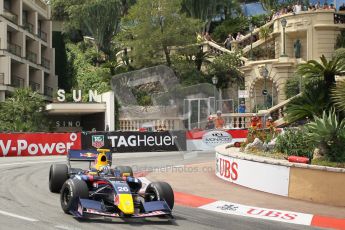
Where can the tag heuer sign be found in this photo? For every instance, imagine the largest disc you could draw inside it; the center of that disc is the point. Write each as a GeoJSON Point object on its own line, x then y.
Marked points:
{"type": "Point", "coordinates": [98, 141]}
{"type": "Point", "coordinates": [215, 138]}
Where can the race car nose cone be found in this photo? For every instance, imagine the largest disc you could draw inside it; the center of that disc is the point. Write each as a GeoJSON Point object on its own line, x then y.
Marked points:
{"type": "Point", "coordinates": [126, 203]}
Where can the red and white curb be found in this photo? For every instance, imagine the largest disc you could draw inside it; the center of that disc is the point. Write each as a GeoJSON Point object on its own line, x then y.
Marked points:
{"type": "Point", "coordinates": [230, 208]}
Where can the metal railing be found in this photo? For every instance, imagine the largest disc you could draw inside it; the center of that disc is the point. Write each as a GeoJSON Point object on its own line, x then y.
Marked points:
{"type": "Point", "coordinates": [29, 27]}
{"type": "Point", "coordinates": [17, 82]}
{"type": "Point", "coordinates": [43, 35]}
{"type": "Point", "coordinates": [35, 86]}
{"type": "Point", "coordinates": [48, 91]}
{"type": "Point", "coordinates": [10, 16]}
{"type": "Point", "coordinates": [31, 56]}
{"type": "Point", "coordinates": [45, 63]}
{"type": "Point", "coordinates": [15, 49]}
{"type": "Point", "coordinates": [156, 124]}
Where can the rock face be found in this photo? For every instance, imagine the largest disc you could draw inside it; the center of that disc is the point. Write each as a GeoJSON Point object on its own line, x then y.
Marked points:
{"type": "Point", "coordinates": [257, 144]}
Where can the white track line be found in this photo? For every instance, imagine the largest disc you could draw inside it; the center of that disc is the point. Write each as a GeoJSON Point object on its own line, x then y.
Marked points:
{"type": "Point", "coordinates": [30, 162]}
{"type": "Point", "coordinates": [17, 216]}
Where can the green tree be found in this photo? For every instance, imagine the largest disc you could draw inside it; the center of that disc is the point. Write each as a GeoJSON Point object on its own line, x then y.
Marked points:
{"type": "Point", "coordinates": [155, 27]}
{"type": "Point", "coordinates": [206, 10]}
{"type": "Point", "coordinates": [23, 112]}
{"type": "Point", "coordinates": [86, 75]}
{"type": "Point", "coordinates": [264, 33]}
{"type": "Point", "coordinates": [100, 19]}
{"type": "Point", "coordinates": [226, 68]}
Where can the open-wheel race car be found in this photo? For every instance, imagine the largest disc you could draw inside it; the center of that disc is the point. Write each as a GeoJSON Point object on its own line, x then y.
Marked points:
{"type": "Point", "coordinates": [105, 191]}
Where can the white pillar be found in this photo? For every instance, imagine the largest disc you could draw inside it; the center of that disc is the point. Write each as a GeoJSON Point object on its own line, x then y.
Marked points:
{"type": "Point", "coordinates": [109, 118]}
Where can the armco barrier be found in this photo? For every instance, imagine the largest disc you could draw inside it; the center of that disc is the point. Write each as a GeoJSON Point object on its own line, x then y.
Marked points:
{"type": "Point", "coordinates": [301, 181]}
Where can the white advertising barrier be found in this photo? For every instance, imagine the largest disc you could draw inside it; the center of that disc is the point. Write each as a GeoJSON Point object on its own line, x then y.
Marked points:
{"type": "Point", "coordinates": [263, 177]}
{"type": "Point", "coordinates": [260, 213]}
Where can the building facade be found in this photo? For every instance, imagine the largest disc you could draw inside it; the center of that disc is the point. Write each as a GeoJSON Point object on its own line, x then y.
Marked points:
{"type": "Point", "coordinates": [26, 55]}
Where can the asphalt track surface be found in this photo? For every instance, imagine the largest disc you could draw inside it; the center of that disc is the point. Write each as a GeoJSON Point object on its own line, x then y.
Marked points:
{"type": "Point", "coordinates": [26, 203]}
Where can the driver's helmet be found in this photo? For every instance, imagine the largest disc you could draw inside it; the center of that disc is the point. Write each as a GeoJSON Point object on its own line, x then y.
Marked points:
{"type": "Point", "coordinates": [101, 161]}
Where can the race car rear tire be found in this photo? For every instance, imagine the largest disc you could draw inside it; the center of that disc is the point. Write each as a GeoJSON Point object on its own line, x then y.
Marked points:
{"type": "Point", "coordinates": [71, 190]}
{"type": "Point", "coordinates": [160, 191]}
{"type": "Point", "coordinates": [58, 174]}
{"type": "Point", "coordinates": [125, 170]}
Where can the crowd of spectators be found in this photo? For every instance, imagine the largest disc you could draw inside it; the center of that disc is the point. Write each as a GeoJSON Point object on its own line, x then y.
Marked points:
{"type": "Point", "coordinates": [300, 7]}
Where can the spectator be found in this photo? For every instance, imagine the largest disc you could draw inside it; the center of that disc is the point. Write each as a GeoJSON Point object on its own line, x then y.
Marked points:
{"type": "Point", "coordinates": [228, 40]}
{"type": "Point", "coordinates": [210, 123]}
{"type": "Point", "coordinates": [318, 5]}
{"type": "Point", "coordinates": [255, 122]}
{"type": "Point", "coordinates": [208, 37]}
{"type": "Point", "coordinates": [239, 36]}
{"type": "Point", "coordinates": [325, 6]}
{"type": "Point", "coordinates": [219, 120]}
{"type": "Point", "coordinates": [297, 8]}
{"type": "Point", "coordinates": [269, 123]}
{"type": "Point", "coordinates": [289, 9]}
{"type": "Point", "coordinates": [242, 107]}
{"type": "Point", "coordinates": [331, 7]}
{"type": "Point", "coordinates": [342, 7]}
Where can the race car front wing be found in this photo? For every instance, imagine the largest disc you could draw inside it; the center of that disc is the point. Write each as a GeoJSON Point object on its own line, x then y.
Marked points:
{"type": "Point", "coordinates": [92, 207]}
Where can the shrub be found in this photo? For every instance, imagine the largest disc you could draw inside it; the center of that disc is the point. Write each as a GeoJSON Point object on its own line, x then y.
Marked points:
{"type": "Point", "coordinates": [294, 142]}
{"type": "Point", "coordinates": [329, 134]}
{"type": "Point", "coordinates": [265, 135]}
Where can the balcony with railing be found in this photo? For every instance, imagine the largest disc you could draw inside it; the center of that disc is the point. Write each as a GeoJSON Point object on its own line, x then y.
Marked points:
{"type": "Point", "coordinates": [45, 63]}
{"type": "Point", "coordinates": [10, 16]}
{"type": "Point", "coordinates": [29, 27]}
{"type": "Point", "coordinates": [15, 49]}
{"type": "Point", "coordinates": [48, 91]}
{"type": "Point", "coordinates": [31, 56]}
{"type": "Point", "coordinates": [17, 82]}
{"type": "Point", "coordinates": [35, 86]}
{"type": "Point", "coordinates": [43, 35]}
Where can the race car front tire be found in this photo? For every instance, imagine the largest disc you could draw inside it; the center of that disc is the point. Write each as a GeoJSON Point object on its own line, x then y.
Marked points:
{"type": "Point", "coordinates": [58, 174]}
{"type": "Point", "coordinates": [71, 191]}
{"type": "Point", "coordinates": [125, 170]}
{"type": "Point", "coordinates": [160, 191]}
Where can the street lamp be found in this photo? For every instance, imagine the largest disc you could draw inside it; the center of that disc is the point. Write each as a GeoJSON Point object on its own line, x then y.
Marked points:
{"type": "Point", "coordinates": [215, 82]}
{"type": "Point", "coordinates": [251, 29]}
{"type": "Point", "coordinates": [265, 92]}
{"type": "Point", "coordinates": [283, 22]}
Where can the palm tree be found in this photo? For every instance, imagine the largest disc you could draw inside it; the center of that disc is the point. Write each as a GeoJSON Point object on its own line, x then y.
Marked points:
{"type": "Point", "coordinates": [319, 79]}
{"type": "Point", "coordinates": [338, 95]}
{"type": "Point", "coordinates": [313, 101]}
{"type": "Point", "coordinates": [325, 70]}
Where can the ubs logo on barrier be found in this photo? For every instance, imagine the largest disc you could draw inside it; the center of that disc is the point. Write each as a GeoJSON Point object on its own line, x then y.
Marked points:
{"type": "Point", "coordinates": [215, 138]}
{"type": "Point", "coordinates": [97, 141]}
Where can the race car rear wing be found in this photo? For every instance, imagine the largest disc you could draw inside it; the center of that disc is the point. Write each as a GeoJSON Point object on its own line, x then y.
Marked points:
{"type": "Point", "coordinates": [87, 155]}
